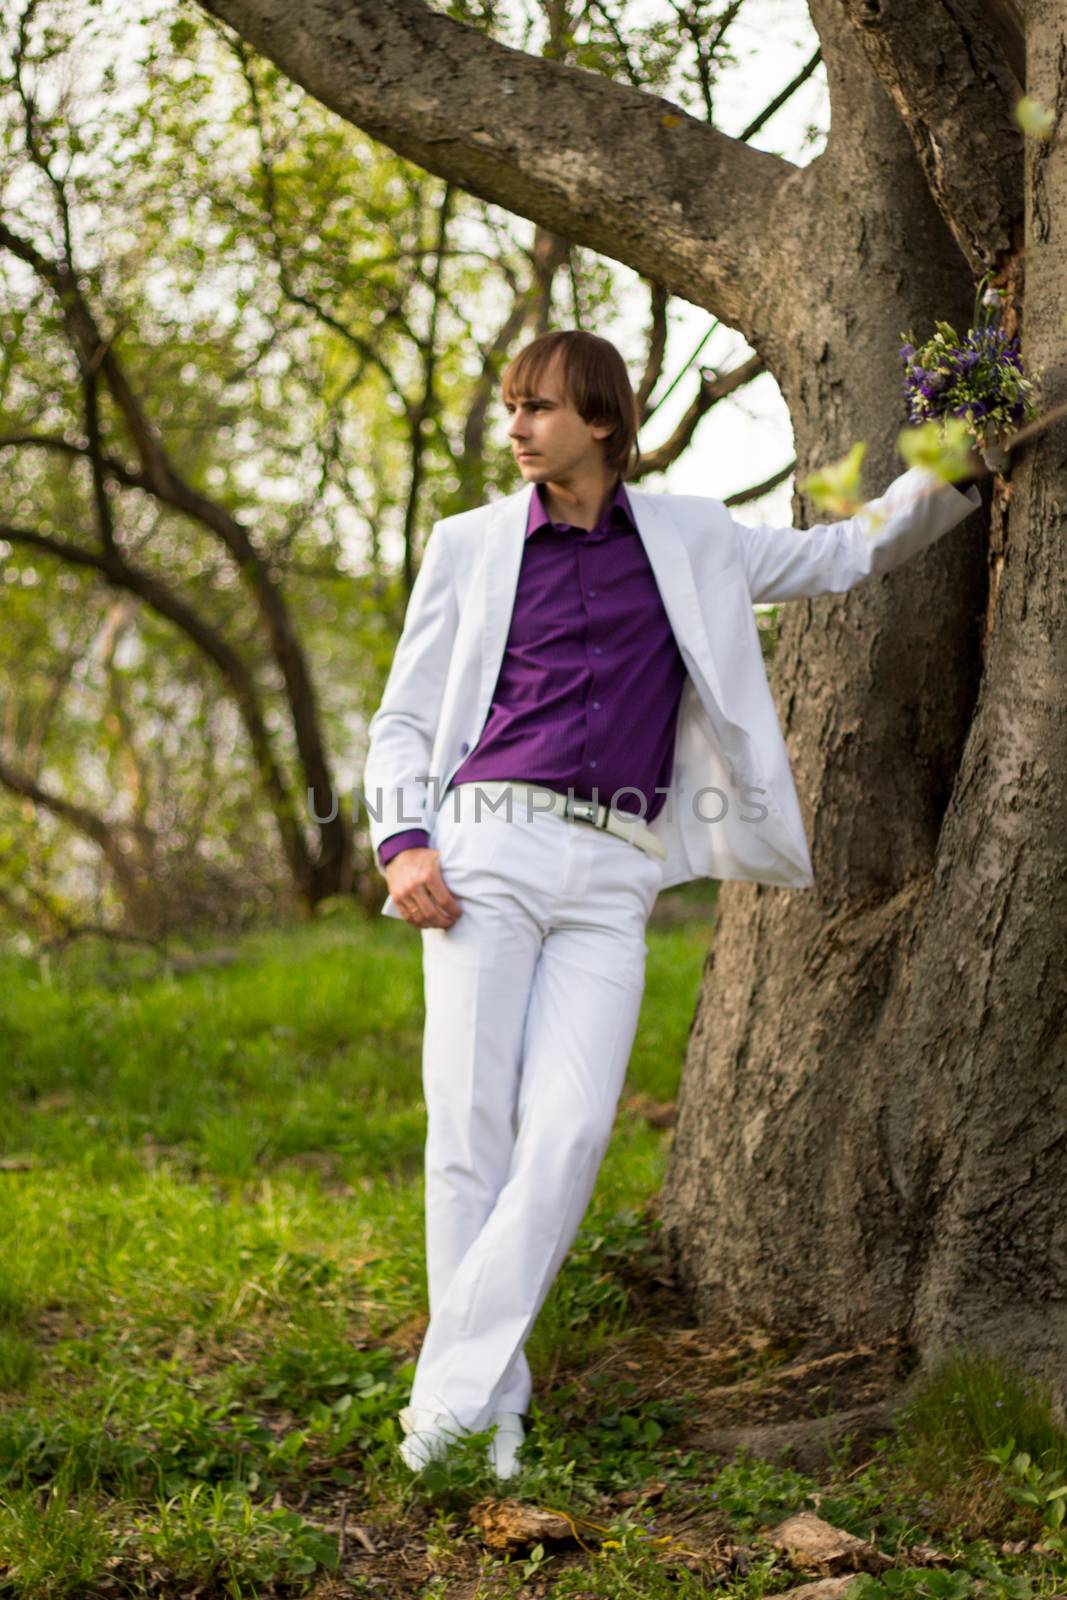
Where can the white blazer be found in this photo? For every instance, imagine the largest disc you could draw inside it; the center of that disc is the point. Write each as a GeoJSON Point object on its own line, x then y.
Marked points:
{"type": "Point", "coordinates": [731, 810]}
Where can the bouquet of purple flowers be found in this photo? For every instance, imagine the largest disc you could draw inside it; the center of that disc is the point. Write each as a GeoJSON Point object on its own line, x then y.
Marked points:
{"type": "Point", "coordinates": [978, 379]}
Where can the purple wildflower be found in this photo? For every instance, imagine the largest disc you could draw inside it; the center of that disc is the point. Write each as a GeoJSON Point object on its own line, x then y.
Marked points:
{"type": "Point", "coordinates": [979, 377]}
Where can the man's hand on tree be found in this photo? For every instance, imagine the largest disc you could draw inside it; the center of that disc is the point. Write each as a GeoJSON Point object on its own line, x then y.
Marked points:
{"type": "Point", "coordinates": [419, 891]}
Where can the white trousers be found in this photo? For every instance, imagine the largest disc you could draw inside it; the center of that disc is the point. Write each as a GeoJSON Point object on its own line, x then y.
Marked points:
{"type": "Point", "coordinates": [532, 999]}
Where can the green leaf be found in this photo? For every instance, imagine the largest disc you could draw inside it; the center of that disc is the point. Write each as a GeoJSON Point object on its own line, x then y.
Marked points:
{"type": "Point", "coordinates": [945, 448]}
{"type": "Point", "coordinates": [1035, 120]}
{"type": "Point", "coordinates": [836, 487]}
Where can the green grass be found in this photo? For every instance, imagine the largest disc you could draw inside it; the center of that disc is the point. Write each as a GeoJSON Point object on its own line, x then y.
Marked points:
{"type": "Point", "coordinates": [211, 1209]}
{"type": "Point", "coordinates": [211, 1285]}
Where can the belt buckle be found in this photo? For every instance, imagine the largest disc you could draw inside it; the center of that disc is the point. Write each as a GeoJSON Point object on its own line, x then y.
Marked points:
{"type": "Point", "coordinates": [582, 811]}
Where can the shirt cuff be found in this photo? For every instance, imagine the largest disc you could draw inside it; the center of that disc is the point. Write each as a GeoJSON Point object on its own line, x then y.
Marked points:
{"type": "Point", "coordinates": [412, 839]}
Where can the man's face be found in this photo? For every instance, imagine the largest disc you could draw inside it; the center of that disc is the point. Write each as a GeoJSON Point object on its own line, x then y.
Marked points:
{"type": "Point", "coordinates": [549, 440]}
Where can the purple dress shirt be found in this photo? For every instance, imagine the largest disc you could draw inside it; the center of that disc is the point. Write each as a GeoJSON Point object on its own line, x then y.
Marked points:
{"type": "Point", "coordinates": [588, 691]}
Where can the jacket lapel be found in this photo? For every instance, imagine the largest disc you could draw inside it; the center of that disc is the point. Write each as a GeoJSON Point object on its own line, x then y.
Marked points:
{"type": "Point", "coordinates": [504, 535]}
{"type": "Point", "coordinates": [673, 572]}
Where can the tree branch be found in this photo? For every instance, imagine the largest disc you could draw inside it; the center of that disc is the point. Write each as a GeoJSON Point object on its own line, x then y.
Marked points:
{"type": "Point", "coordinates": [657, 347]}
{"type": "Point", "coordinates": [162, 480]}
{"type": "Point", "coordinates": [756, 490]}
{"type": "Point", "coordinates": [624, 172]}
{"type": "Point", "coordinates": [364, 348]}
{"type": "Point", "coordinates": [120, 573]}
{"type": "Point", "coordinates": [54, 441]}
{"type": "Point", "coordinates": [529, 301]}
{"type": "Point", "coordinates": [959, 117]}
{"type": "Point", "coordinates": [711, 391]}
{"type": "Point", "coordinates": [786, 94]}
{"type": "Point", "coordinates": [426, 406]}
{"type": "Point", "coordinates": [104, 835]}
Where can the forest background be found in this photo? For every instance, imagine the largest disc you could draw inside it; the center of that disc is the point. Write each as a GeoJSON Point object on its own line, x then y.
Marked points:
{"type": "Point", "coordinates": [210, 529]}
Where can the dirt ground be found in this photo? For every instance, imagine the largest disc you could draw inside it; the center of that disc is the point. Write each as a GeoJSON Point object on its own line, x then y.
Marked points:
{"type": "Point", "coordinates": [789, 1404]}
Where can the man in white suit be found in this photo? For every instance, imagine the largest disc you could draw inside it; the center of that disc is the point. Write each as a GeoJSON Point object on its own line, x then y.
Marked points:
{"type": "Point", "coordinates": [577, 716]}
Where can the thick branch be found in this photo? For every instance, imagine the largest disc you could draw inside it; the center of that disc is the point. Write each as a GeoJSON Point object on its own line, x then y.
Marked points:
{"type": "Point", "coordinates": [959, 117]}
{"type": "Point", "coordinates": [622, 171]}
{"type": "Point", "coordinates": [105, 522]}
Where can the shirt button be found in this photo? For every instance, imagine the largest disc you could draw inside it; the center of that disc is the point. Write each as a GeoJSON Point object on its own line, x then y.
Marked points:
{"type": "Point", "coordinates": [592, 763]}
{"type": "Point", "coordinates": [597, 650]}
{"type": "Point", "coordinates": [464, 747]}
{"type": "Point", "coordinates": [592, 594]}
{"type": "Point", "coordinates": [596, 705]}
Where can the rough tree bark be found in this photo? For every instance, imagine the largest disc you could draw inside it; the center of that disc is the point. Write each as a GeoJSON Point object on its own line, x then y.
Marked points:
{"type": "Point", "coordinates": [866, 1140]}
{"type": "Point", "coordinates": [951, 82]}
{"type": "Point", "coordinates": [871, 1133]}
{"type": "Point", "coordinates": [975, 1079]}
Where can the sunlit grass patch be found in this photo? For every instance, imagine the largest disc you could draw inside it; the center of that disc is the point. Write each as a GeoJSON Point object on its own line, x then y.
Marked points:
{"type": "Point", "coordinates": [214, 1254]}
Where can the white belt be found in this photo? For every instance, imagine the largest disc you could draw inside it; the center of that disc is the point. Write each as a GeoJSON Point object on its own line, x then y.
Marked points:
{"type": "Point", "coordinates": [622, 825]}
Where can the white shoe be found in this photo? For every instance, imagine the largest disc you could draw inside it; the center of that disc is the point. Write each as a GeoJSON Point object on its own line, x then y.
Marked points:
{"type": "Point", "coordinates": [428, 1436]}
{"type": "Point", "coordinates": [504, 1445]}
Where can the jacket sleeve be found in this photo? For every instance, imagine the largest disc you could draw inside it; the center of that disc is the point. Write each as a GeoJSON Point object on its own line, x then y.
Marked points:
{"type": "Point", "coordinates": [797, 563]}
{"type": "Point", "coordinates": [401, 731]}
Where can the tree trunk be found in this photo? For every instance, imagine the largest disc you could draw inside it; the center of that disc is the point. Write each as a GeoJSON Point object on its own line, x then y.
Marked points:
{"type": "Point", "coordinates": [871, 1131]}
{"type": "Point", "coordinates": [979, 1145]}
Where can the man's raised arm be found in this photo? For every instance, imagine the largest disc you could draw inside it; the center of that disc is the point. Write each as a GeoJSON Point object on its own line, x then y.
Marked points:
{"type": "Point", "coordinates": [798, 563]}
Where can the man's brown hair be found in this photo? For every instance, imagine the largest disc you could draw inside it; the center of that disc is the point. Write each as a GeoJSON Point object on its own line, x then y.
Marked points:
{"type": "Point", "coordinates": [594, 378]}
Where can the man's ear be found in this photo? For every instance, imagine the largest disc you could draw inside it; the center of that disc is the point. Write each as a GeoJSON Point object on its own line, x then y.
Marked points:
{"type": "Point", "coordinates": [602, 430]}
